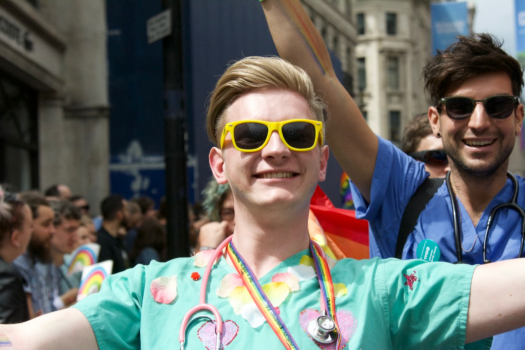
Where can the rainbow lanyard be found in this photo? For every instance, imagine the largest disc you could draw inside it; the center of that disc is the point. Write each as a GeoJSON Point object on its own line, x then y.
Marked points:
{"type": "Point", "coordinates": [265, 306]}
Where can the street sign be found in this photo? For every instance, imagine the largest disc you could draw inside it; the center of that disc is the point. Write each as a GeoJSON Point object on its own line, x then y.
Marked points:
{"type": "Point", "coordinates": [159, 26]}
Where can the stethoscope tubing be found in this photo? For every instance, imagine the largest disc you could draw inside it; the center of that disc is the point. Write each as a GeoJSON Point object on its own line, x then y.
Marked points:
{"type": "Point", "coordinates": [513, 204]}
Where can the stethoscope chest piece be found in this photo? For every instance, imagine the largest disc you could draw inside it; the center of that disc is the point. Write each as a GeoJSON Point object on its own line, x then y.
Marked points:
{"type": "Point", "coordinates": [323, 329]}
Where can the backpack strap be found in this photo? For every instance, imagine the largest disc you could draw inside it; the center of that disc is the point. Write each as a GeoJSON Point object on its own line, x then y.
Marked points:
{"type": "Point", "coordinates": [415, 206]}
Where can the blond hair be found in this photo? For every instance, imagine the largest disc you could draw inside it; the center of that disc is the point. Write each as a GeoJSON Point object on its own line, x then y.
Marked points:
{"type": "Point", "coordinates": [256, 73]}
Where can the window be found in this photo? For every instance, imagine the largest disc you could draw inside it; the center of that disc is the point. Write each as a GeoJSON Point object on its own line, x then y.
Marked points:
{"type": "Point", "coordinates": [392, 68]}
{"type": "Point", "coordinates": [361, 73]}
{"type": "Point", "coordinates": [360, 23]}
{"type": "Point", "coordinates": [391, 23]}
{"type": "Point", "coordinates": [395, 127]}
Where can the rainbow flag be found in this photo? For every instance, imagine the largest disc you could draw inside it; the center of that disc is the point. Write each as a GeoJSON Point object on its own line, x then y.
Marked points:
{"type": "Point", "coordinates": [346, 194]}
{"type": "Point", "coordinates": [338, 229]}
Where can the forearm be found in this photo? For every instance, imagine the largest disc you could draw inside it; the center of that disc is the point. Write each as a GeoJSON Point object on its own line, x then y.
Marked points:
{"type": "Point", "coordinates": [297, 41]}
{"type": "Point", "coordinates": [497, 299]}
{"type": "Point", "coordinates": [66, 329]}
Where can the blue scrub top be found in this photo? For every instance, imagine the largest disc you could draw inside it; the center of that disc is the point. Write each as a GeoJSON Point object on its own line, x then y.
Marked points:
{"type": "Point", "coordinates": [396, 178]}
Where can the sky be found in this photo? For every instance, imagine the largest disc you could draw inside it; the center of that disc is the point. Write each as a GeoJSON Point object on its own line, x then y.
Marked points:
{"type": "Point", "coordinates": [496, 17]}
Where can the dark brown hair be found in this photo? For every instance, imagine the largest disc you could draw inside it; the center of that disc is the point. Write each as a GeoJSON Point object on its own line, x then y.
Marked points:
{"type": "Point", "coordinates": [417, 129]}
{"type": "Point", "coordinates": [466, 59]}
{"type": "Point", "coordinates": [149, 234]}
{"type": "Point", "coordinates": [11, 217]}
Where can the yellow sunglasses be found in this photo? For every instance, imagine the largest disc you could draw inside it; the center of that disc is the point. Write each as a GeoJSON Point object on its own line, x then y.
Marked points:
{"type": "Point", "coordinates": [253, 135]}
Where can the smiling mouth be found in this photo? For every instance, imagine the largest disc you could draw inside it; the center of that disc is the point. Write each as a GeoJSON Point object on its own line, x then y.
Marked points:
{"type": "Point", "coordinates": [281, 175]}
{"type": "Point", "coordinates": [479, 143]}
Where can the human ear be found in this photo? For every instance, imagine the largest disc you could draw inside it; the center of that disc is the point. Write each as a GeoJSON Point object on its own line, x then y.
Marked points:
{"type": "Point", "coordinates": [15, 238]}
{"type": "Point", "coordinates": [433, 119]}
{"type": "Point", "coordinates": [218, 165]}
{"type": "Point", "coordinates": [325, 152]}
{"type": "Point", "coordinates": [519, 119]}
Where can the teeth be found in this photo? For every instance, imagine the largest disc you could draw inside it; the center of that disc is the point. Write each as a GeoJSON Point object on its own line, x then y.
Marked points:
{"type": "Point", "coordinates": [478, 143]}
{"type": "Point", "coordinates": [276, 175]}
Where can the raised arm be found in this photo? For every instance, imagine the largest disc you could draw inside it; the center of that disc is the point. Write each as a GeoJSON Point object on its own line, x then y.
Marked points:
{"type": "Point", "coordinates": [66, 329]}
{"type": "Point", "coordinates": [351, 140]}
{"type": "Point", "coordinates": [497, 299]}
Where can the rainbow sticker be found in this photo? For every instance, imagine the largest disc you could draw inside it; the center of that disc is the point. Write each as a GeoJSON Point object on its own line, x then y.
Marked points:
{"type": "Point", "coordinates": [5, 342]}
{"type": "Point", "coordinates": [85, 255]}
{"type": "Point", "coordinates": [92, 278]}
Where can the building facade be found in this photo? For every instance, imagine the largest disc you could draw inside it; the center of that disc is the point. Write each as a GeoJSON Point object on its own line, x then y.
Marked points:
{"type": "Point", "coordinates": [394, 44]}
{"type": "Point", "coordinates": [53, 95]}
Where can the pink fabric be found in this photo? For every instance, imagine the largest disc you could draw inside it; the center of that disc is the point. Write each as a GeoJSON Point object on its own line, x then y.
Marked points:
{"type": "Point", "coordinates": [347, 326]}
{"type": "Point", "coordinates": [207, 334]}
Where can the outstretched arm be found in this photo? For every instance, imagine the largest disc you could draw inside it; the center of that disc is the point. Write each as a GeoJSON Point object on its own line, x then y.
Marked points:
{"type": "Point", "coordinates": [351, 140]}
{"type": "Point", "coordinates": [497, 299]}
{"type": "Point", "coordinates": [65, 329]}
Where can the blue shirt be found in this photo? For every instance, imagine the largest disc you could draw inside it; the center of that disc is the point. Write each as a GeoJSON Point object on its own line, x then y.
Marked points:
{"type": "Point", "coordinates": [396, 178]}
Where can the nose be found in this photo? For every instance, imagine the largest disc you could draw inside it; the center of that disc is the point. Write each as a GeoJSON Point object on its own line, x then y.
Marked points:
{"type": "Point", "coordinates": [479, 119]}
{"type": "Point", "coordinates": [52, 230]}
{"type": "Point", "coordinates": [275, 148]}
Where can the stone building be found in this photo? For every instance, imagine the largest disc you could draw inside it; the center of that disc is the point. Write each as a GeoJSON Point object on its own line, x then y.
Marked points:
{"type": "Point", "coordinates": [394, 44]}
{"type": "Point", "coordinates": [53, 95]}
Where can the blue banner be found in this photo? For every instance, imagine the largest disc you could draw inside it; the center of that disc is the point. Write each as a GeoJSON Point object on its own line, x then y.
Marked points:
{"type": "Point", "coordinates": [449, 20]}
{"type": "Point", "coordinates": [519, 6]}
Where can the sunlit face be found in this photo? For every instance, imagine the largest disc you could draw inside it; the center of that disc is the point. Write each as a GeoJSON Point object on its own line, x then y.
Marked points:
{"type": "Point", "coordinates": [479, 145]}
{"type": "Point", "coordinates": [274, 175]}
{"type": "Point", "coordinates": [432, 143]}
{"type": "Point", "coordinates": [83, 236]}
{"type": "Point", "coordinates": [65, 238]}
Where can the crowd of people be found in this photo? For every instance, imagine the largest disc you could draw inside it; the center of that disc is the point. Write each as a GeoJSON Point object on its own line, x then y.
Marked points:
{"type": "Point", "coordinates": [40, 231]}
{"type": "Point", "coordinates": [264, 284]}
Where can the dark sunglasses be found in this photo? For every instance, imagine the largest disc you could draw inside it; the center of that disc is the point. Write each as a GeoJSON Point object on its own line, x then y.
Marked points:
{"type": "Point", "coordinates": [497, 107]}
{"type": "Point", "coordinates": [435, 157]}
{"type": "Point", "coordinates": [253, 135]}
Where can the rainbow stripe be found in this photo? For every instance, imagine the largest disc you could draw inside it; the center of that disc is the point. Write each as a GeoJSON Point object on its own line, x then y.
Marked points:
{"type": "Point", "coordinates": [325, 281]}
{"type": "Point", "coordinates": [93, 281]}
{"type": "Point", "coordinates": [260, 298]}
{"type": "Point", "coordinates": [316, 47]}
{"type": "Point", "coordinates": [346, 193]}
{"type": "Point", "coordinates": [5, 342]}
{"type": "Point", "coordinates": [85, 256]}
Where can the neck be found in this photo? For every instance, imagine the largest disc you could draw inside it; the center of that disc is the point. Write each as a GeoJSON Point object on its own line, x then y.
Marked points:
{"type": "Point", "coordinates": [266, 240]}
{"type": "Point", "coordinates": [476, 192]}
{"type": "Point", "coordinates": [7, 253]}
{"type": "Point", "coordinates": [112, 227]}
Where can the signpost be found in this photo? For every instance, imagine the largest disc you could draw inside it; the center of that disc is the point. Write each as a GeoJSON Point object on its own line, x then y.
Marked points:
{"type": "Point", "coordinates": [159, 26]}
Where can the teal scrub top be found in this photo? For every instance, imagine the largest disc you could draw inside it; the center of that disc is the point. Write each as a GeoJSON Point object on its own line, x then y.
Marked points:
{"type": "Point", "coordinates": [381, 304]}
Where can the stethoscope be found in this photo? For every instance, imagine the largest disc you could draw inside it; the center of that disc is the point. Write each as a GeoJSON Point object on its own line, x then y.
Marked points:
{"type": "Point", "coordinates": [323, 329]}
{"type": "Point", "coordinates": [513, 204]}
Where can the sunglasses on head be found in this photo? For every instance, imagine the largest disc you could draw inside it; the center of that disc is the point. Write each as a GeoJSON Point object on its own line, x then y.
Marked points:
{"type": "Point", "coordinates": [435, 157]}
{"type": "Point", "coordinates": [497, 107]}
{"type": "Point", "coordinates": [253, 135]}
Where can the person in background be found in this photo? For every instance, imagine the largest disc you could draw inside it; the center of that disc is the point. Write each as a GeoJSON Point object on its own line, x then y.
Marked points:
{"type": "Point", "coordinates": [64, 241]}
{"type": "Point", "coordinates": [16, 226]}
{"type": "Point", "coordinates": [81, 203]}
{"type": "Point", "coordinates": [62, 192]}
{"type": "Point", "coordinates": [150, 243]}
{"type": "Point", "coordinates": [419, 142]}
{"type": "Point", "coordinates": [218, 203]}
{"type": "Point", "coordinates": [36, 264]}
{"type": "Point", "coordinates": [147, 206]}
{"type": "Point", "coordinates": [134, 221]}
{"type": "Point", "coordinates": [114, 209]}
{"type": "Point", "coordinates": [87, 222]}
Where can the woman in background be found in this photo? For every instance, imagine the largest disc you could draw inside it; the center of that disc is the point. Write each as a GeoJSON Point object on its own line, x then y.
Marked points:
{"type": "Point", "coordinates": [16, 227]}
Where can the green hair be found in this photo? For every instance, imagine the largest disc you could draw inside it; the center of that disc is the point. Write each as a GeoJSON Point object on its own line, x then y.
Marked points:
{"type": "Point", "coordinates": [214, 195]}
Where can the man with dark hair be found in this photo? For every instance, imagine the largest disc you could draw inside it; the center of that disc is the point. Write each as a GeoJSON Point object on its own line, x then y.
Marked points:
{"type": "Point", "coordinates": [419, 142]}
{"type": "Point", "coordinates": [475, 88]}
{"type": "Point", "coordinates": [114, 211]}
{"type": "Point", "coordinates": [66, 222]}
{"type": "Point", "coordinates": [35, 265]}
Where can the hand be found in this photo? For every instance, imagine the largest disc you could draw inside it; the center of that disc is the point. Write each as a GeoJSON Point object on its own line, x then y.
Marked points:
{"type": "Point", "coordinates": [70, 297]}
{"type": "Point", "coordinates": [213, 233]}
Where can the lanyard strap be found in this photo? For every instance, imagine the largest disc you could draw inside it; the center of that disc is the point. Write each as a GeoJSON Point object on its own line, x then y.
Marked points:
{"type": "Point", "coordinates": [265, 306]}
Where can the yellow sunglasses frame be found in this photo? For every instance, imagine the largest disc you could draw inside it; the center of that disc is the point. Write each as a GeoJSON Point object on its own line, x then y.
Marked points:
{"type": "Point", "coordinates": [273, 126]}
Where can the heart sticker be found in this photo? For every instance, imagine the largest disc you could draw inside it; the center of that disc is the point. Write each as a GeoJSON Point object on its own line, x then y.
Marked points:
{"type": "Point", "coordinates": [207, 334]}
{"type": "Point", "coordinates": [347, 326]}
